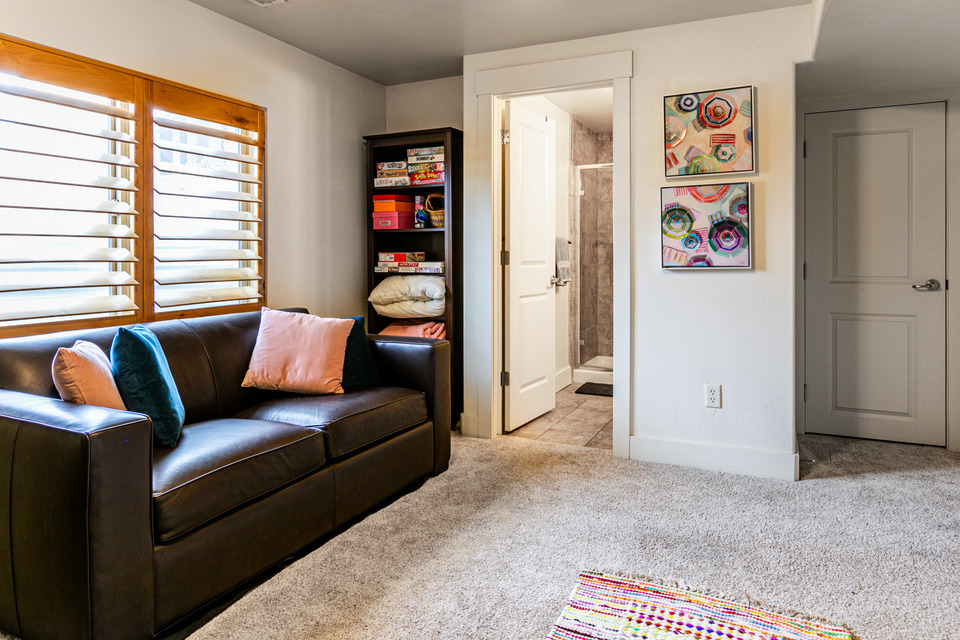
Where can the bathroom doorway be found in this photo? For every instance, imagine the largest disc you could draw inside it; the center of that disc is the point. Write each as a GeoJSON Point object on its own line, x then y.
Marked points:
{"type": "Point", "coordinates": [582, 333]}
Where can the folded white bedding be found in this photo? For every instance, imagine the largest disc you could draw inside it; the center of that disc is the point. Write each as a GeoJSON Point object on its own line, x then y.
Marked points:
{"type": "Point", "coordinates": [412, 287]}
{"type": "Point", "coordinates": [411, 309]}
{"type": "Point", "coordinates": [412, 296]}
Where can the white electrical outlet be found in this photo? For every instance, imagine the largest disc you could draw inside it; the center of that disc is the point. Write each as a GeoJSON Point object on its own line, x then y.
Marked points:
{"type": "Point", "coordinates": [711, 396]}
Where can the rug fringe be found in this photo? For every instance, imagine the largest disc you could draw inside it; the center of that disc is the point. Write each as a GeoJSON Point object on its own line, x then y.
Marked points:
{"type": "Point", "coordinates": [739, 598]}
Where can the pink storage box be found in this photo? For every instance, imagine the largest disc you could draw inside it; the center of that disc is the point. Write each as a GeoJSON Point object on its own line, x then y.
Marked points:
{"type": "Point", "coordinates": [392, 220]}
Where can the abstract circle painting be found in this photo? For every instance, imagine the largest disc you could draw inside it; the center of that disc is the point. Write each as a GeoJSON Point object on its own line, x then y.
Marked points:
{"type": "Point", "coordinates": [709, 132]}
{"type": "Point", "coordinates": [706, 226]}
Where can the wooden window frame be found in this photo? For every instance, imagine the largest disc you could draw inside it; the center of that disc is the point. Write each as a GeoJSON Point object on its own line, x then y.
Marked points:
{"type": "Point", "coordinates": [52, 66]}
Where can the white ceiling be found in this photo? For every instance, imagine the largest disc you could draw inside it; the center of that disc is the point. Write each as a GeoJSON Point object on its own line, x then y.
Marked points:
{"type": "Point", "coordinates": [592, 107]}
{"type": "Point", "coordinates": [865, 46]}
{"type": "Point", "coordinates": [878, 46]}
{"type": "Point", "coordinates": [393, 42]}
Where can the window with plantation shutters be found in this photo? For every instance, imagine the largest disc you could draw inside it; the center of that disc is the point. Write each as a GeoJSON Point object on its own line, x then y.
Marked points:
{"type": "Point", "coordinates": [207, 197]}
{"type": "Point", "coordinates": [68, 201]}
{"type": "Point", "coordinates": [123, 198]}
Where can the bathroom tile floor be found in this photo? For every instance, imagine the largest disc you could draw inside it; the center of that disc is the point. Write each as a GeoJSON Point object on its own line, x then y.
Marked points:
{"type": "Point", "coordinates": [578, 420]}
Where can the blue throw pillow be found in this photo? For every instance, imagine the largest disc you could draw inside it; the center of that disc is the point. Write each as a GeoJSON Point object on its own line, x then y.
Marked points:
{"type": "Point", "coordinates": [359, 370]}
{"type": "Point", "coordinates": [146, 385]}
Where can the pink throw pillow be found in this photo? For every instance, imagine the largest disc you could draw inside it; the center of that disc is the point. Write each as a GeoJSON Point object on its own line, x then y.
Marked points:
{"type": "Point", "coordinates": [82, 375]}
{"type": "Point", "coordinates": [299, 353]}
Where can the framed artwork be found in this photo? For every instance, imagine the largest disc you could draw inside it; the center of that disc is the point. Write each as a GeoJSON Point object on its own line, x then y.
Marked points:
{"type": "Point", "coordinates": [708, 132]}
{"type": "Point", "coordinates": [706, 226]}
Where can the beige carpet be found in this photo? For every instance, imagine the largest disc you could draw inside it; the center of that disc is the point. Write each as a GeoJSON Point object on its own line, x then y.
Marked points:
{"type": "Point", "coordinates": [491, 549]}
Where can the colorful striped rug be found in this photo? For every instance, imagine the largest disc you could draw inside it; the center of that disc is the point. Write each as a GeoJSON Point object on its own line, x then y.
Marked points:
{"type": "Point", "coordinates": [607, 607]}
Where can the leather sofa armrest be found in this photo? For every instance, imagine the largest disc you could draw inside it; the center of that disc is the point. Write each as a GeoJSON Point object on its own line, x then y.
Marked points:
{"type": "Point", "coordinates": [422, 364]}
{"type": "Point", "coordinates": [76, 544]}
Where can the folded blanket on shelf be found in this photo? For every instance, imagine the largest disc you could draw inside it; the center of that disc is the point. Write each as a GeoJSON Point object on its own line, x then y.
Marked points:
{"type": "Point", "coordinates": [435, 330]}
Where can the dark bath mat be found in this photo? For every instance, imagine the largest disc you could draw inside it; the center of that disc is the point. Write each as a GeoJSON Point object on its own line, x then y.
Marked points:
{"type": "Point", "coordinates": [596, 389]}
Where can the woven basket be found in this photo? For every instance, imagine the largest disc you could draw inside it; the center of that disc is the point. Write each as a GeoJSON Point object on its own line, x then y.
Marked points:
{"type": "Point", "coordinates": [435, 213]}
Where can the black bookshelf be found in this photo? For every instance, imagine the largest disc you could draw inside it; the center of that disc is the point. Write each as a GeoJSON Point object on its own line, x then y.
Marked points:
{"type": "Point", "coordinates": [440, 245]}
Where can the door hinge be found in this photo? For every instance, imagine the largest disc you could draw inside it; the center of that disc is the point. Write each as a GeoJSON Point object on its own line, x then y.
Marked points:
{"type": "Point", "coordinates": [804, 148]}
{"type": "Point", "coordinates": [804, 270]}
{"type": "Point", "coordinates": [504, 136]}
{"type": "Point", "coordinates": [504, 378]}
{"type": "Point", "coordinates": [804, 393]}
{"type": "Point", "coordinates": [504, 258]}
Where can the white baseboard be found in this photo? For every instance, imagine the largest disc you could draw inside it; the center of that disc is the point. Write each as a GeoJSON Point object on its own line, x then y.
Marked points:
{"type": "Point", "coordinates": [564, 378]}
{"type": "Point", "coordinates": [750, 462]}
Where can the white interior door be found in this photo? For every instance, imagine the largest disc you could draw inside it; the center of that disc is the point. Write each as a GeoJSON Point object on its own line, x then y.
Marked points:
{"type": "Point", "coordinates": [875, 218]}
{"type": "Point", "coordinates": [530, 230]}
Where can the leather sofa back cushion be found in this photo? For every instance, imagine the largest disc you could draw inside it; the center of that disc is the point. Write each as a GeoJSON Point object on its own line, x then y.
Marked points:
{"type": "Point", "coordinates": [208, 357]}
{"type": "Point", "coordinates": [25, 362]}
{"type": "Point", "coordinates": [82, 375]}
{"type": "Point", "coordinates": [226, 343]}
{"type": "Point", "coordinates": [146, 384]}
{"type": "Point", "coordinates": [298, 353]}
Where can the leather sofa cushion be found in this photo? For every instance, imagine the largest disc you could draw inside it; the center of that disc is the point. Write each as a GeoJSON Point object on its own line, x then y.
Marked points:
{"type": "Point", "coordinates": [228, 342]}
{"type": "Point", "coordinates": [351, 420]}
{"type": "Point", "coordinates": [190, 366]}
{"type": "Point", "coordinates": [25, 362]}
{"type": "Point", "coordinates": [222, 464]}
{"type": "Point", "coordinates": [208, 357]}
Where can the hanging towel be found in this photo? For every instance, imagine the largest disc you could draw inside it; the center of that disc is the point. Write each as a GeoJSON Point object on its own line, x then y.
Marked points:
{"type": "Point", "coordinates": [564, 274]}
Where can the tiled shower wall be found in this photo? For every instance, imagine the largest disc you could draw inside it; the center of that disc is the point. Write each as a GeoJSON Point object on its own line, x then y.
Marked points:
{"type": "Point", "coordinates": [591, 253]}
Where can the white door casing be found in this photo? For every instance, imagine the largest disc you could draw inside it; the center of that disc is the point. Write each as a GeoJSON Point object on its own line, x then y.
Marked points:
{"type": "Point", "coordinates": [875, 218]}
{"type": "Point", "coordinates": [484, 91]}
{"type": "Point", "coordinates": [530, 236]}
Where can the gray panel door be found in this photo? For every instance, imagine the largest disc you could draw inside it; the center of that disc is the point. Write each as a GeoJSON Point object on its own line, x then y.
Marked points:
{"type": "Point", "coordinates": [875, 219]}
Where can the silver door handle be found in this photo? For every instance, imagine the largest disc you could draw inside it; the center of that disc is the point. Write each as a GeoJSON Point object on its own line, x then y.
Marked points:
{"type": "Point", "coordinates": [929, 285]}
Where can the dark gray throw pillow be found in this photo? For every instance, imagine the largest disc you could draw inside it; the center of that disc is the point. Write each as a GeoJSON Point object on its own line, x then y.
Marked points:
{"type": "Point", "coordinates": [359, 369]}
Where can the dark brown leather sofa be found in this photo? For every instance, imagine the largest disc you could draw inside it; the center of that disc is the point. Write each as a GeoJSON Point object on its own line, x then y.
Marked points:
{"type": "Point", "coordinates": [104, 536]}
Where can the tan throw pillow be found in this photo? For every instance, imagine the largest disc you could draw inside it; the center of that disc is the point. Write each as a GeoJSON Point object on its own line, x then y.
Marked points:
{"type": "Point", "coordinates": [82, 375]}
{"type": "Point", "coordinates": [299, 353]}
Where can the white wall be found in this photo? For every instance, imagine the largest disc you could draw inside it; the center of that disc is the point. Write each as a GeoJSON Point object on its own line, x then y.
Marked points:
{"type": "Point", "coordinates": [316, 115]}
{"type": "Point", "coordinates": [425, 105]}
{"type": "Point", "coordinates": [690, 328]}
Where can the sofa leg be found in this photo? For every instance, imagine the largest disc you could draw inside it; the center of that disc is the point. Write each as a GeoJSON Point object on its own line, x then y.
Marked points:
{"type": "Point", "coordinates": [440, 469]}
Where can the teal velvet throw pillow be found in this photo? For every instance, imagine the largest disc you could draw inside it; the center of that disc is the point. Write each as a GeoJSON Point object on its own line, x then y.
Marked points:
{"type": "Point", "coordinates": [146, 385]}
{"type": "Point", "coordinates": [359, 370]}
